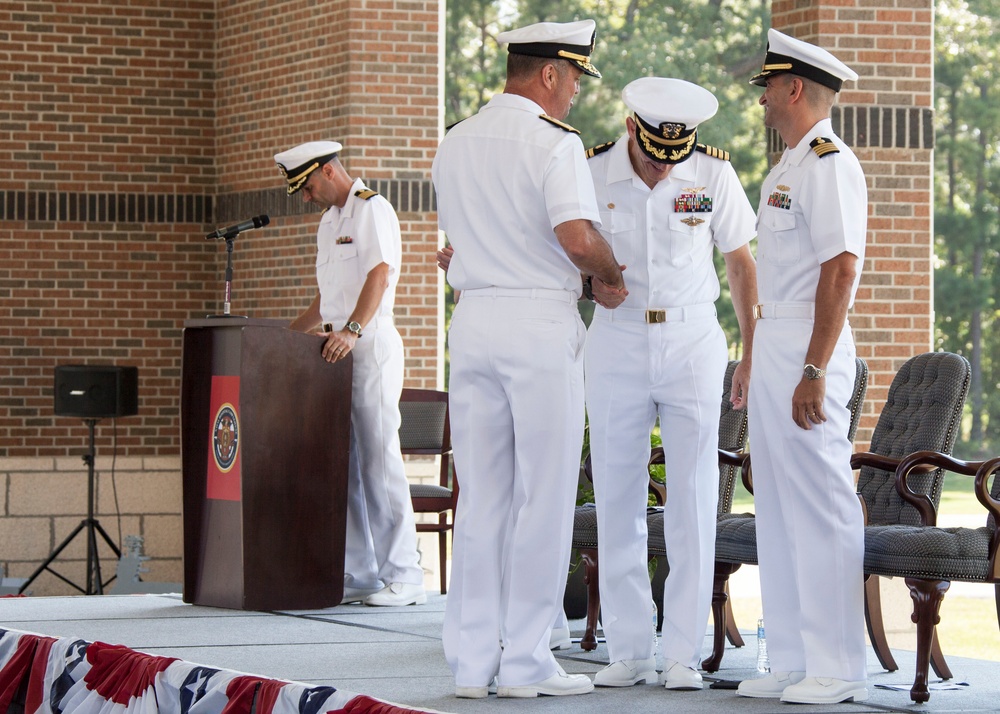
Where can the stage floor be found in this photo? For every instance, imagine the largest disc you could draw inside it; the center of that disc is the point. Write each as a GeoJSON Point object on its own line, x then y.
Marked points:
{"type": "Point", "coordinates": [395, 654]}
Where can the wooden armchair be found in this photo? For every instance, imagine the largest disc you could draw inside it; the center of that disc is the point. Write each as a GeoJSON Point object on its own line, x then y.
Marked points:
{"type": "Point", "coordinates": [426, 430]}
{"type": "Point", "coordinates": [931, 558]}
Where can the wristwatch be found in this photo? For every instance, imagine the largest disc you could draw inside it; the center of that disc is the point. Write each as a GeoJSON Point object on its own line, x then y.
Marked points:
{"type": "Point", "coordinates": [811, 371]}
{"type": "Point", "coordinates": [354, 327]}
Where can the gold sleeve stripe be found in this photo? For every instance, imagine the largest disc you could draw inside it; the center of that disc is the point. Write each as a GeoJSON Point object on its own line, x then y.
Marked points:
{"type": "Point", "coordinates": [599, 149]}
{"type": "Point", "coordinates": [713, 152]}
{"type": "Point", "coordinates": [561, 125]}
{"type": "Point", "coordinates": [822, 146]}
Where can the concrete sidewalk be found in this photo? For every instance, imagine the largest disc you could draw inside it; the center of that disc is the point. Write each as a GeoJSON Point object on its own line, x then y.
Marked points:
{"type": "Point", "coordinates": [395, 654]}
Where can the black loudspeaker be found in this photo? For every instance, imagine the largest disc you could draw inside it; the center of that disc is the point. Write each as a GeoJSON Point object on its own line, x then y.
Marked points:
{"type": "Point", "coordinates": [96, 391]}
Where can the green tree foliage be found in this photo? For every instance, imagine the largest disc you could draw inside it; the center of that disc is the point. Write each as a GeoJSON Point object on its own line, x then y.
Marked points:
{"type": "Point", "coordinates": [967, 202]}
{"type": "Point", "coordinates": [716, 43]}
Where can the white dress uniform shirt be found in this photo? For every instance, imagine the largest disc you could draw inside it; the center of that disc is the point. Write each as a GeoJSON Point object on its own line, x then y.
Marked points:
{"type": "Point", "coordinates": [505, 178]}
{"type": "Point", "coordinates": [350, 241]}
{"type": "Point", "coordinates": [541, 171]}
{"type": "Point", "coordinates": [667, 248]}
{"type": "Point", "coordinates": [666, 236]}
{"type": "Point", "coordinates": [381, 540]}
{"type": "Point", "coordinates": [810, 534]}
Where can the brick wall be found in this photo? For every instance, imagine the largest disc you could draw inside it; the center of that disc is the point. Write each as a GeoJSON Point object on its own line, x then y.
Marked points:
{"type": "Point", "coordinates": [887, 118]}
{"type": "Point", "coordinates": [130, 128]}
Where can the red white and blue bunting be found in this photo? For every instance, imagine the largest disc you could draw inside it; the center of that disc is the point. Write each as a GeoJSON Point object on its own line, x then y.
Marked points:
{"type": "Point", "coordinates": [47, 675]}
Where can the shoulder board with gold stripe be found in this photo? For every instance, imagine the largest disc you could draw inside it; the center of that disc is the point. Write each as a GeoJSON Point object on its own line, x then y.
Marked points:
{"type": "Point", "coordinates": [449, 127]}
{"type": "Point", "coordinates": [561, 125]}
{"type": "Point", "coordinates": [713, 152]}
{"type": "Point", "coordinates": [365, 193]}
{"type": "Point", "coordinates": [599, 149]}
{"type": "Point", "coordinates": [822, 146]}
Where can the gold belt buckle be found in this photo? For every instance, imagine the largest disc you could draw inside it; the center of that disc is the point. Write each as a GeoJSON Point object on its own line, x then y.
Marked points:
{"type": "Point", "coordinates": [758, 311]}
{"type": "Point", "coordinates": [656, 316]}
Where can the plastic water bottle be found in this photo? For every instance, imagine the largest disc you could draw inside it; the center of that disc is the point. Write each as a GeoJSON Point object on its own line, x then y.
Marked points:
{"type": "Point", "coordinates": [763, 665]}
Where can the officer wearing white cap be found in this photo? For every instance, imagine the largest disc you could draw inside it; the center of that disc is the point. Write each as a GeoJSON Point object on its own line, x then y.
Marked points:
{"type": "Point", "coordinates": [811, 228]}
{"type": "Point", "coordinates": [358, 257]}
{"type": "Point", "coordinates": [667, 202]}
{"type": "Point", "coordinates": [517, 202]}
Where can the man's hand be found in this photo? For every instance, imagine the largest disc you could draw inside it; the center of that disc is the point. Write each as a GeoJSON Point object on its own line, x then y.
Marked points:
{"type": "Point", "coordinates": [740, 391]}
{"type": "Point", "coordinates": [607, 296]}
{"type": "Point", "coordinates": [338, 344]}
{"type": "Point", "coordinates": [444, 257]}
{"type": "Point", "coordinates": [807, 402]}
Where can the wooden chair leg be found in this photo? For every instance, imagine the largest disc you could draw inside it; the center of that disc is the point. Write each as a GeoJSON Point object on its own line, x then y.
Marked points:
{"type": "Point", "coordinates": [443, 560]}
{"type": "Point", "coordinates": [589, 557]}
{"type": "Point", "coordinates": [938, 664]}
{"type": "Point", "coordinates": [873, 620]}
{"type": "Point", "coordinates": [720, 598]}
{"type": "Point", "coordinates": [927, 596]}
{"type": "Point", "coordinates": [732, 630]}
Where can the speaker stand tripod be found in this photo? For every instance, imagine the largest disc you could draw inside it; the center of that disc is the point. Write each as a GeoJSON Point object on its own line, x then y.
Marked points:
{"type": "Point", "coordinates": [95, 583]}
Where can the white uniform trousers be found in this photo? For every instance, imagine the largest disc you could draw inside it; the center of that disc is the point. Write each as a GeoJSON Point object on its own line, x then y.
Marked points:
{"type": "Point", "coordinates": [635, 372]}
{"type": "Point", "coordinates": [381, 538]}
{"type": "Point", "coordinates": [810, 529]}
{"type": "Point", "coordinates": [360, 564]}
{"type": "Point", "coordinates": [516, 396]}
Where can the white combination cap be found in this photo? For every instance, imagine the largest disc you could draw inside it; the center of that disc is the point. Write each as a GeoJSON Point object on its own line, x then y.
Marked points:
{"type": "Point", "coordinates": [297, 163]}
{"type": "Point", "coordinates": [573, 41]}
{"type": "Point", "coordinates": [787, 54]}
{"type": "Point", "coordinates": [667, 113]}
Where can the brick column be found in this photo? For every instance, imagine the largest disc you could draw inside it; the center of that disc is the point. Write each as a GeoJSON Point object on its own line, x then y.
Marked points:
{"type": "Point", "coordinates": [887, 118]}
{"type": "Point", "coordinates": [128, 129]}
{"type": "Point", "coordinates": [364, 74]}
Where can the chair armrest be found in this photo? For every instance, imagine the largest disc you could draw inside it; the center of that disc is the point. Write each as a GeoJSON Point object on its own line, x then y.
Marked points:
{"type": "Point", "coordinates": [919, 462]}
{"type": "Point", "coordinates": [740, 459]}
{"type": "Point", "coordinates": [922, 462]}
{"type": "Point", "coordinates": [983, 474]}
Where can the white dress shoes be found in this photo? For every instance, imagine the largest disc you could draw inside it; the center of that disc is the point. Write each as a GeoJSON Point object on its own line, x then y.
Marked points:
{"type": "Point", "coordinates": [677, 676]}
{"type": "Point", "coordinates": [824, 690]}
{"type": "Point", "coordinates": [352, 595]}
{"type": "Point", "coordinates": [559, 684]}
{"type": "Point", "coordinates": [398, 594]}
{"type": "Point", "coordinates": [771, 686]}
{"type": "Point", "coordinates": [476, 692]}
{"type": "Point", "coordinates": [626, 672]}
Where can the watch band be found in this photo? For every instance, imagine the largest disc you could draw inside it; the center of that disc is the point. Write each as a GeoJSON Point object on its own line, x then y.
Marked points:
{"type": "Point", "coordinates": [811, 371]}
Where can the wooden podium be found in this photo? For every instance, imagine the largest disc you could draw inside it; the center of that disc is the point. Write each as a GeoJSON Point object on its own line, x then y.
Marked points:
{"type": "Point", "coordinates": [265, 439]}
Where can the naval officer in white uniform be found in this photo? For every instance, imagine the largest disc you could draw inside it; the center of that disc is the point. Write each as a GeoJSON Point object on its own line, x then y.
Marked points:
{"type": "Point", "coordinates": [667, 202]}
{"type": "Point", "coordinates": [516, 200]}
{"type": "Point", "coordinates": [359, 250]}
{"type": "Point", "coordinates": [811, 229]}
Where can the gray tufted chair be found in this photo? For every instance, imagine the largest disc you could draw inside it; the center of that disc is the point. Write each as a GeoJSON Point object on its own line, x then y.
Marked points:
{"type": "Point", "coordinates": [736, 534]}
{"type": "Point", "coordinates": [923, 411]}
{"type": "Point", "coordinates": [930, 558]}
{"type": "Point", "coordinates": [732, 438]}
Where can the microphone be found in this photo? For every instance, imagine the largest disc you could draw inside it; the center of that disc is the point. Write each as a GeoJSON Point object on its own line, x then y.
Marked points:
{"type": "Point", "coordinates": [233, 231]}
